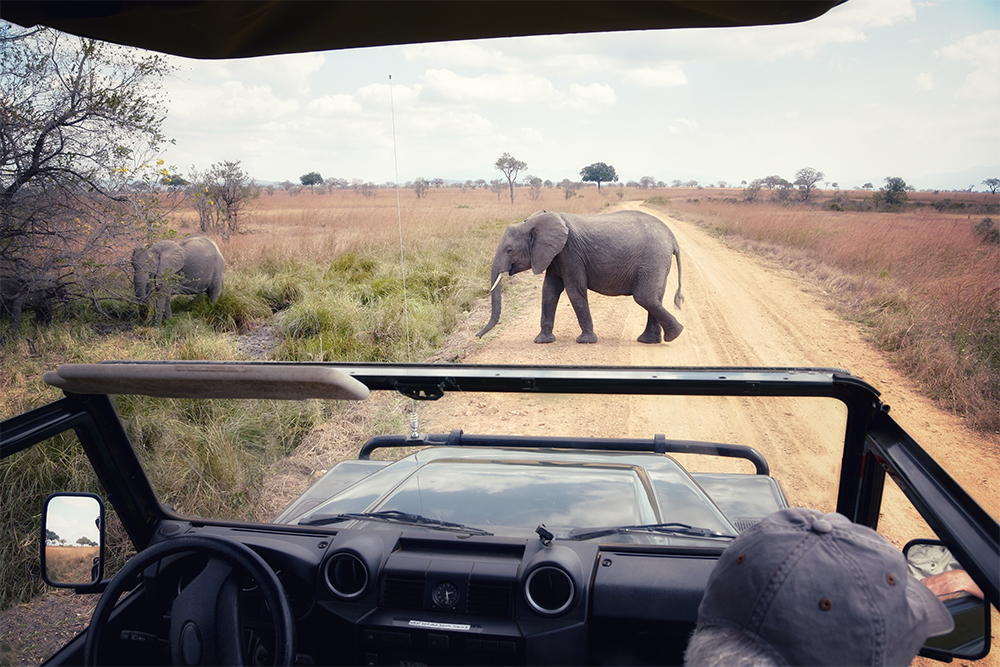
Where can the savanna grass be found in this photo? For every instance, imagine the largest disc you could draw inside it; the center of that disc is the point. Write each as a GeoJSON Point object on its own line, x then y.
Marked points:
{"type": "Point", "coordinates": [926, 287]}
{"type": "Point", "coordinates": [326, 271]}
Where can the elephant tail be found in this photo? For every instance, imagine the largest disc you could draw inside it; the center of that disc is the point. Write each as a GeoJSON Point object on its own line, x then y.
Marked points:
{"type": "Point", "coordinates": [678, 298]}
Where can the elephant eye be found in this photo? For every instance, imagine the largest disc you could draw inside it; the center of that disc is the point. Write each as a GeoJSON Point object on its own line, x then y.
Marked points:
{"type": "Point", "coordinates": [509, 250]}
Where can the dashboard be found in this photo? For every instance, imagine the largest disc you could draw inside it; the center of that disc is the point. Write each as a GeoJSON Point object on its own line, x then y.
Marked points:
{"type": "Point", "coordinates": [389, 596]}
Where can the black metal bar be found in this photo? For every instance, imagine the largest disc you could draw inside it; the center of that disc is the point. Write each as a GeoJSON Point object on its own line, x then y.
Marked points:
{"type": "Point", "coordinates": [114, 460]}
{"type": "Point", "coordinates": [656, 445]}
{"type": "Point", "coordinates": [972, 535]}
{"type": "Point", "coordinates": [434, 379]}
{"type": "Point", "coordinates": [29, 428]}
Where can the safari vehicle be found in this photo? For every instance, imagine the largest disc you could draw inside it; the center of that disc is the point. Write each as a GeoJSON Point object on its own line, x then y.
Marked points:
{"type": "Point", "coordinates": [477, 548]}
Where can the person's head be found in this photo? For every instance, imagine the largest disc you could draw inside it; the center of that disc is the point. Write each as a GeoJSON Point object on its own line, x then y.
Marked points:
{"type": "Point", "coordinates": [806, 588]}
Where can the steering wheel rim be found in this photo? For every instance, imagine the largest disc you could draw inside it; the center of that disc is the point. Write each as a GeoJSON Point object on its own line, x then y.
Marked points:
{"type": "Point", "coordinates": [228, 550]}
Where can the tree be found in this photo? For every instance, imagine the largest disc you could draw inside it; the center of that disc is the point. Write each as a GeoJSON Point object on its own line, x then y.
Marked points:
{"type": "Point", "coordinates": [510, 166]}
{"type": "Point", "coordinates": [311, 179]}
{"type": "Point", "coordinates": [992, 184]}
{"type": "Point", "coordinates": [892, 196]}
{"type": "Point", "coordinates": [174, 181]}
{"type": "Point", "coordinates": [751, 193]}
{"type": "Point", "coordinates": [79, 128]}
{"type": "Point", "coordinates": [806, 180]}
{"type": "Point", "coordinates": [647, 182]}
{"type": "Point", "coordinates": [51, 537]}
{"type": "Point", "coordinates": [771, 182]}
{"type": "Point", "coordinates": [420, 187]}
{"type": "Point", "coordinates": [599, 172]}
{"type": "Point", "coordinates": [534, 187]}
{"type": "Point", "coordinates": [497, 186]}
{"type": "Point", "coordinates": [220, 195]}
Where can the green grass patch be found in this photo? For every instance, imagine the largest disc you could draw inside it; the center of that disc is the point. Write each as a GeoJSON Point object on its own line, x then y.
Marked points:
{"type": "Point", "coordinates": [210, 458]}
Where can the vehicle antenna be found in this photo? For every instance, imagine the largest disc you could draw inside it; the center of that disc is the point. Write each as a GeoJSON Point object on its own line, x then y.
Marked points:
{"type": "Point", "coordinates": [414, 422]}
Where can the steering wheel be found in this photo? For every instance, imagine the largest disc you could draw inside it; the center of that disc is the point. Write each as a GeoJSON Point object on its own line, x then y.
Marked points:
{"type": "Point", "coordinates": [205, 626]}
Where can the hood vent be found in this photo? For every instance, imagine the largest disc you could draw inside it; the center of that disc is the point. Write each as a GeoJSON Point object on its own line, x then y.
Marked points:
{"type": "Point", "coordinates": [403, 591]}
{"type": "Point", "coordinates": [489, 598]}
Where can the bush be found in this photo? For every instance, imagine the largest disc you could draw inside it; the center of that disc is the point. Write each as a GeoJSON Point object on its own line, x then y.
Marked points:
{"type": "Point", "coordinates": [986, 231]}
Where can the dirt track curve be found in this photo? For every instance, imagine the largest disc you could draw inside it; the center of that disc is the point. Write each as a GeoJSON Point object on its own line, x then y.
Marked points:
{"type": "Point", "coordinates": [738, 311]}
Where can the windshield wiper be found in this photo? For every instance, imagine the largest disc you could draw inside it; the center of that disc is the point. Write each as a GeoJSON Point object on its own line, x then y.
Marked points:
{"type": "Point", "coordinates": [392, 516]}
{"type": "Point", "coordinates": [681, 529]}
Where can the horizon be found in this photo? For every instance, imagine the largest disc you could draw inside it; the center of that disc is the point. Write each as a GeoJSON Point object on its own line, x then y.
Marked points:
{"type": "Point", "coordinates": [872, 89]}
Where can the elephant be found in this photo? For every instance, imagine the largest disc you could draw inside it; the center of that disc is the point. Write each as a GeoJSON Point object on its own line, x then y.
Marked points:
{"type": "Point", "coordinates": [191, 266]}
{"type": "Point", "coordinates": [627, 252]}
{"type": "Point", "coordinates": [40, 295]}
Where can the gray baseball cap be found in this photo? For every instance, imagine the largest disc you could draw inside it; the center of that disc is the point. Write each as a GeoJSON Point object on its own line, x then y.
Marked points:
{"type": "Point", "coordinates": [816, 589]}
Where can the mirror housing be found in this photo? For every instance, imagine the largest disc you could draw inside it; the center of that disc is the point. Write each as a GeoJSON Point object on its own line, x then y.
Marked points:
{"type": "Point", "coordinates": [72, 540]}
{"type": "Point", "coordinates": [932, 562]}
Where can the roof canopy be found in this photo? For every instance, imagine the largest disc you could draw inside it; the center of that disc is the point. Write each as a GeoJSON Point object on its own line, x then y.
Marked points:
{"type": "Point", "coordinates": [241, 29]}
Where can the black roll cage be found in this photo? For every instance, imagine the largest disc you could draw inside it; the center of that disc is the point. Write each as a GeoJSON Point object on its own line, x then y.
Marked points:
{"type": "Point", "coordinates": [874, 444]}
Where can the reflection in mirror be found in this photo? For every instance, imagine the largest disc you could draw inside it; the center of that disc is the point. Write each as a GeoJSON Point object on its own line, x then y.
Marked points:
{"type": "Point", "coordinates": [72, 539]}
{"type": "Point", "coordinates": [932, 563]}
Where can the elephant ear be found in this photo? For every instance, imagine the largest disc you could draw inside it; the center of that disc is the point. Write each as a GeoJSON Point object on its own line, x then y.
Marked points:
{"type": "Point", "coordinates": [548, 236]}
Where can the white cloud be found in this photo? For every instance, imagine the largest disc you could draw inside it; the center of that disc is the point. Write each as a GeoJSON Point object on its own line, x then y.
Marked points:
{"type": "Point", "coordinates": [682, 126]}
{"type": "Point", "coordinates": [656, 77]}
{"type": "Point", "coordinates": [335, 105]}
{"type": "Point", "coordinates": [925, 81]}
{"type": "Point", "coordinates": [484, 54]}
{"type": "Point", "coordinates": [487, 88]}
{"type": "Point", "coordinates": [594, 98]}
{"type": "Point", "coordinates": [982, 52]}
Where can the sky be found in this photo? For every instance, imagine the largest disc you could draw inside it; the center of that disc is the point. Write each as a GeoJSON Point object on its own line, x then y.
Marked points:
{"type": "Point", "coordinates": [872, 89]}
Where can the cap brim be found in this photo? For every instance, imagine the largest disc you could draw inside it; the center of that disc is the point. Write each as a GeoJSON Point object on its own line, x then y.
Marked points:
{"type": "Point", "coordinates": [939, 619]}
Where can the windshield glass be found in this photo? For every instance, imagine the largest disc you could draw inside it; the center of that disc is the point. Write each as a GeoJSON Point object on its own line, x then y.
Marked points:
{"type": "Point", "coordinates": [511, 492]}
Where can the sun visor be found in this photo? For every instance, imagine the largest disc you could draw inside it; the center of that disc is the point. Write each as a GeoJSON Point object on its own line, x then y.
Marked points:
{"type": "Point", "coordinates": [223, 380]}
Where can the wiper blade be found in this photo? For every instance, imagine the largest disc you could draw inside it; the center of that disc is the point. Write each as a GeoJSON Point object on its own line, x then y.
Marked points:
{"type": "Point", "coordinates": [680, 529]}
{"type": "Point", "coordinates": [392, 516]}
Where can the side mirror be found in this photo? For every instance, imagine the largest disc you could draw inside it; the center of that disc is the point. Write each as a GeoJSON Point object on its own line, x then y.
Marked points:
{"type": "Point", "coordinates": [73, 540]}
{"type": "Point", "coordinates": [932, 562]}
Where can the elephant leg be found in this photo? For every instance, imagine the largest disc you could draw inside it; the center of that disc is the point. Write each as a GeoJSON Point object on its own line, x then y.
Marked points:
{"type": "Point", "coordinates": [671, 327]}
{"type": "Point", "coordinates": [653, 333]}
{"type": "Point", "coordinates": [162, 310]}
{"type": "Point", "coordinates": [581, 304]}
{"type": "Point", "coordinates": [15, 315]}
{"type": "Point", "coordinates": [552, 289]}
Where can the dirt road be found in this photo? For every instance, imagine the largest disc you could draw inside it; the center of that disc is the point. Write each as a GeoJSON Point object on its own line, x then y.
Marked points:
{"type": "Point", "coordinates": [738, 311]}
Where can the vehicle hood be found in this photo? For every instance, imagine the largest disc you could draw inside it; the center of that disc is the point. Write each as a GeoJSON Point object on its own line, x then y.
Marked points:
{"type": "Point", "coordinates": [512, 492]}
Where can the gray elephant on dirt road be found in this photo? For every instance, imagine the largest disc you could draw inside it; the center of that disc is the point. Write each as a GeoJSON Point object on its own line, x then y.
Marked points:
{"type": "Point", "coordinates": [190, 266]}
{"type": "Point", "coordinates": [628, 252]}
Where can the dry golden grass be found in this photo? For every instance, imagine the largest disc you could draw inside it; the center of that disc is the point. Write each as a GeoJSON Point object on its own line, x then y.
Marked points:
{"type": "Point", "coordinates": [924, 283]}
{"type": "Point", "coordinates": [70, 564]}
{"type": "Point", "coordinates": [319, 227]}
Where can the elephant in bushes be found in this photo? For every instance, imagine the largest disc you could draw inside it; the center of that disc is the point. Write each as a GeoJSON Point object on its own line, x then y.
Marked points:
{"type": "Point", "coordinates": [190, 266]}
{"type": "Point", "coordinates": [628, 252]}
{"type": "Point", "coordinates": [41, 295]}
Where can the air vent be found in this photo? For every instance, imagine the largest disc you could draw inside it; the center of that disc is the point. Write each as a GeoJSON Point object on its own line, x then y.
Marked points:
{"type": "Point", "coordinates": [742, 523]}
{"type": "Point", "coordinates": [402, 591]}
{"type": "Point", "coordinates": [489, 598]}
{"type": "Point", "coordinates": [549, 590]}
{"type": "Point", "coordinates": [346, 575]}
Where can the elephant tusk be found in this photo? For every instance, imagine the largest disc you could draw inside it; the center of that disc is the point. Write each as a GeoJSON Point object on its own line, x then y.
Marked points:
{"type": "Point", "coordinates": [496, 282]}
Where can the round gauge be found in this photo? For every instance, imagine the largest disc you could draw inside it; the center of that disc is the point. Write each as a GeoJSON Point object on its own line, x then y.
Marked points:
{"type": "Point", "coordinates": [445, 594]}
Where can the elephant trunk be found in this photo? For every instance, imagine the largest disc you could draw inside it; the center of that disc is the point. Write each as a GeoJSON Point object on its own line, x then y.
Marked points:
{"type": "Point", "coordinates": [495, 292]}
{"type": "Point", "coordinates": [141, 281]}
